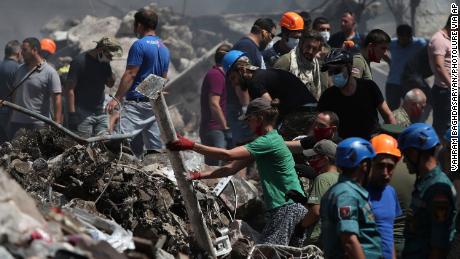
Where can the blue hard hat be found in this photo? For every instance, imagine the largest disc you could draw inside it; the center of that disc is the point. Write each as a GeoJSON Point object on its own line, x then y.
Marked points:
{"type": "Point", "coordinates": [352, 151]}
{"type": "Point", "coordinates": [230, 58]}
{"type": "Point", "coordinates": [418, 135]}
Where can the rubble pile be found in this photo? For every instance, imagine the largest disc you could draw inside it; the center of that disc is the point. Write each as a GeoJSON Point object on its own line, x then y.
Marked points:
{"type": "Point", "coordinates": [140, 196]}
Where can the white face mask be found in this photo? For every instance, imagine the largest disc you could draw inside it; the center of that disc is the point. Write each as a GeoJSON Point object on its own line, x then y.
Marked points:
{"type": "Point", "coordinates": [326, 35]}
{"type": "Point", "coordinates": [292, 42]}
{"type": "Point", "coordinates": [103, 58]}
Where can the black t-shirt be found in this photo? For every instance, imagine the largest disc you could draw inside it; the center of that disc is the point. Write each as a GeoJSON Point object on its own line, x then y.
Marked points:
{"type": "Point", "coordinates": [357, 113]}
{"type": "Point", "coordinates": [280, 84]}
{"type": "Point", "coordinates": [90, 77]}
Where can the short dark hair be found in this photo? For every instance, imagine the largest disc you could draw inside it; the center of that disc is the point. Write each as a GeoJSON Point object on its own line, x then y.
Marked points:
{"type": "Point", "coordinates": [311, 36]}
{"type": "Point", "coordinates": [34, 43]}
{"type": "Point", "coordinates": [148, 18]}
{"type": "Point", "coordinates": [12, 47]}
{"type": "Point", "coordinates": [333, 116]}
{"type": "Point", "coordinates": [318, 21]}
{"type": "Point", "coordinates": [377, 36]}
{"type": "Point", "coordinates": [404, 29]}
{"type": "Point", "coordinates": [262, 24]}
{"type": "Point", "coordinates": [220, 52]}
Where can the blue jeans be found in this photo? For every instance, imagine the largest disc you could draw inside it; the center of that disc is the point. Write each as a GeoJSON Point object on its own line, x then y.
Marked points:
{"type": "Point", "coordinates": [91, 123]}
{"type": "Point", "coordinates": [213, 138]}
{"type": "Point", "coordinates": [441, 108]}
{"type": "Point", "coordinates": [138, 117]}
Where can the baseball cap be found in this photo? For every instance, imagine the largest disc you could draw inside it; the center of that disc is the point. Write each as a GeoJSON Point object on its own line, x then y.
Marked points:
{"type": "Point", "coordinates": [111, 45]}
{"type": "Point", "coordinates": [256, 105]}
{"type": "Point", "coordinates": [323, 147]}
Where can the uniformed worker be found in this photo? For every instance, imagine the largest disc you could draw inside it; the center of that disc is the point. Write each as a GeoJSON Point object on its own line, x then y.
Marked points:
{"type": "Point", "coordinates": [348, 226]}
{"type": "Point", "coordinates": [429, 224]}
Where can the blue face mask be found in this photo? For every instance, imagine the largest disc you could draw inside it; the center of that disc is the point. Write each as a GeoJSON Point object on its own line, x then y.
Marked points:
{"type": "Point", "coordinates": [339, 80]}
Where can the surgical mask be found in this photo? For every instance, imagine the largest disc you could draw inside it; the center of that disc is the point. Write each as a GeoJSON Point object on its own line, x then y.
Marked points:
{"type": "Point", "coordinates": [323, 133]}
{"type": "Point", "coordinates": [292, 42]}
{"type": "Point", "coordinates": [326, 35]}
{"type": "Point", "coordinates": [339, 80]}
{"type": "Point", "coordinates": [103, 58]}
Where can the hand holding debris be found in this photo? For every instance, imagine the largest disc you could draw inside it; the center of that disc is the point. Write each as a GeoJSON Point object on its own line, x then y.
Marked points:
{"type": "Point", "coordinates": [195, 175]}
{"type": "Point", "coordinates": [182, 143]}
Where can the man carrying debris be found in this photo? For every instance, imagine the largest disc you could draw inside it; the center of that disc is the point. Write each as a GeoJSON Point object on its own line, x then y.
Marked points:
{"type": "Point", "coordinates": [89, 73]}
{"type": "Point", "coordinates": [355, 101]}
{"type": "Point", "coordinates": [8, 67]}
{"type": "Point", "coordinates": [429, 224]}
{"type": "Point", "coordinates": [275, 166]}
{"type": "Point", "coordinates": [348, 225]}
{"type": "Point", "coordinates": [291, 29]}
{"type": "Point", "coordinates": [148, 55]}
{"type": "Point", "coordinates": [40, 91]}
{"type": "Point", "coordinates": [411, 109]}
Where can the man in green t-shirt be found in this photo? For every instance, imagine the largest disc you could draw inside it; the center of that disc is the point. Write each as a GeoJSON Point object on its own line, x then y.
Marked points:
{"type": "Point", "coordinates": [375, 48]}
{"type": "Point", "coordinates": [322, 159]}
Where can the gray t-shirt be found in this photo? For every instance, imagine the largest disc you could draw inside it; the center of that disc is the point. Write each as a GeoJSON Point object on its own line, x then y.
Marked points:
{"type": "Point", "coordinates": [36, 92]}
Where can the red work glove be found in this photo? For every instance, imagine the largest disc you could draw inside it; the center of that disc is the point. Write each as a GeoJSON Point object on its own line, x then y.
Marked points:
{"type": "Point", "coordinates": [195, 175]}
{"type": "Point", "coordinates": [181, 144]}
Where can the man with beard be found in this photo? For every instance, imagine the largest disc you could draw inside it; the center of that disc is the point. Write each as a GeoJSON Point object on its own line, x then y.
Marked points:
{"type": "Point", "coordinates": [89, 73]}
{"type": "Point", "coordinates": [429, 224]}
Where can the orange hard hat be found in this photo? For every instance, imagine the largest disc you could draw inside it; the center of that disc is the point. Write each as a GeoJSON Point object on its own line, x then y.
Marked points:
{"type": "Point", "coordinates": [386, 144]}
{"type": "Point", "coordinates": [291, 21]}
{"type": "Point", "coordinates": [48, 44]}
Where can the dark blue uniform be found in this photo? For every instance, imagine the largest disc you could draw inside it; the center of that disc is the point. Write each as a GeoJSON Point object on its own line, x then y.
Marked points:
{"type": "Point", "coordinates": [345, 209]}
{"type": "Point", "coordinates": [429, 221]}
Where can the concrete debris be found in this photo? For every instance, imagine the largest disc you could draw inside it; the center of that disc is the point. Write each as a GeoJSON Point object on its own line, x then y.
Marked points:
{"type": "Point", "coordinates": [103, 196]}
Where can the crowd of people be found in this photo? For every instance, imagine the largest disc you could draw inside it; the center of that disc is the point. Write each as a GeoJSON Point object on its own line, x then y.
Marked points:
{"type": "Point", "coordinates": [303, 106]}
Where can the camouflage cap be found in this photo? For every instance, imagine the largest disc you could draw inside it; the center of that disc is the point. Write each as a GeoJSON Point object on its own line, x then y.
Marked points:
{"type": "Point", "coordinates": [111, 45]}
